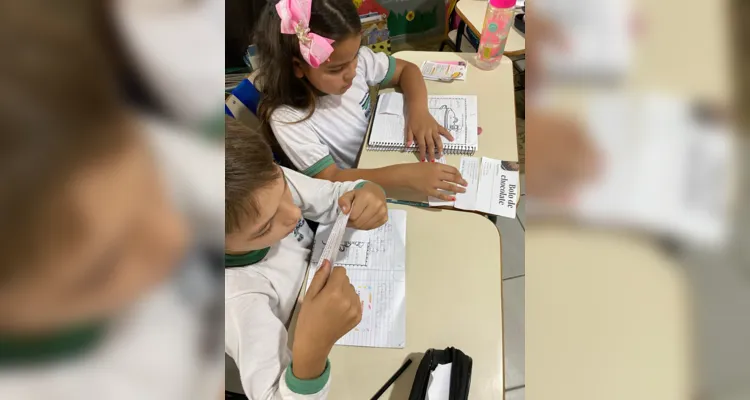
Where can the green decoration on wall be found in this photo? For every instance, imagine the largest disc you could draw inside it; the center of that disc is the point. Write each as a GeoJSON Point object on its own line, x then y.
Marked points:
{"type": "Point", "coordinates": [422, 22]}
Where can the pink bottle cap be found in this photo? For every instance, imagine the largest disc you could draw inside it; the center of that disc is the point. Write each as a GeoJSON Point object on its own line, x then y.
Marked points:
{"type": "Point", "coordinates": [503, 3]}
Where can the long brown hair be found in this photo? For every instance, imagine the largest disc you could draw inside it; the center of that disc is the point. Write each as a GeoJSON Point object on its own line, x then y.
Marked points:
{"type": "Point", "coordinates": [333, 19]}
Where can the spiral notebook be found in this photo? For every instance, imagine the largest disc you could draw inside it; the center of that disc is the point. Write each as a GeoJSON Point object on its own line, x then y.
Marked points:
{"type": "Point", "coordinates": [458, 114]}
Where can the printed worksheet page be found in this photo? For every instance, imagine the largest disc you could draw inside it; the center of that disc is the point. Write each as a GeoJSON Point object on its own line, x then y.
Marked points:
{"type": "Point", "coordinates": [375, 262]}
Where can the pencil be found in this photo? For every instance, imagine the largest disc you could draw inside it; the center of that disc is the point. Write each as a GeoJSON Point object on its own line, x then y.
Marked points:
{"type": "Point", "coordinates": [408, 203]}
{"type": "Point", "coordinates": [393, 379]}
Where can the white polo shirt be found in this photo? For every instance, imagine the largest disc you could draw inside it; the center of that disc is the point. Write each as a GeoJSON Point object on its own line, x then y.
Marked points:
{"type": "Point", "coordinates": [336, 130]}
{"type": "Point", "coordinates": [260, 298]}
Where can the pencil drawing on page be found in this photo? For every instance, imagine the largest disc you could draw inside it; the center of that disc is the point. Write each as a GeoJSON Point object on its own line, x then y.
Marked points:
{"type": "Point", "coordinates": [451, 113]}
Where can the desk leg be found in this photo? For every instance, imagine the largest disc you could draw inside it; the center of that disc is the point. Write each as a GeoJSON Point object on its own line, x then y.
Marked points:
{"type": "Point", "coordinates": [460, 34]}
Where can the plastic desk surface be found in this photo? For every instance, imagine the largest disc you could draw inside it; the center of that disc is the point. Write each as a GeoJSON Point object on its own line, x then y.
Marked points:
{"type": "Point", "coordinates": [604, 310]}
{"type": "Point", "coordinates": [472, 12]}
{"type": "Point", "coordinates": [453, 298]}
{"type": "Point", "coordinates": [496, 111]}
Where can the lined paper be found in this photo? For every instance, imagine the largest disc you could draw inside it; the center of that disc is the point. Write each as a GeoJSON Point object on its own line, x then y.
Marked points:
{"type": "Point", "coordinates": [380, 281]}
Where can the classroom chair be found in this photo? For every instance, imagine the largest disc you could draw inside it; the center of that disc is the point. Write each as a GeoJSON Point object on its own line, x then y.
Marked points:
{"type": "Point", "coordinates": [467, 41]}
{"type": "Point", "coordinates": [242, 102]}
{"type": "Point", "coordinates": [242, 105]}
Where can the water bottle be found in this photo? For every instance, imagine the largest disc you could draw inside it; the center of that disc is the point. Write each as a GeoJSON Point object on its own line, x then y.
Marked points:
{"type": "Point", "coordinates": [497, 23]}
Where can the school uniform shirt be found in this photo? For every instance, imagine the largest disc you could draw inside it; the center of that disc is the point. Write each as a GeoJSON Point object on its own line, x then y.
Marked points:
{"type": "Point", "coordinates": [336, 130]}
{"type": "Point", "coordinates": [159, 347]}
{"type": "Point", "coordinates": [260, 298]}
{"type": "Point", "coordinates": [154, 351]}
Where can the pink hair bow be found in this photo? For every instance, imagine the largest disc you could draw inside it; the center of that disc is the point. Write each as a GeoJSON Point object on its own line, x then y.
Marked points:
{"type": "Point", "coordinates": [295, 20]}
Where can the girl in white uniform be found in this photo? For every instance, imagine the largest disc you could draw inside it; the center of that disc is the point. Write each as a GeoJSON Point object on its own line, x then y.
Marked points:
{"type": "Point", "coordinates": [315, 78]}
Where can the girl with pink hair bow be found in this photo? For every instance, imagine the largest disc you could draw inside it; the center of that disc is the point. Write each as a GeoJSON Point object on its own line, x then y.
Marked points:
{"type": "Point", "coordinates": [314, 78]}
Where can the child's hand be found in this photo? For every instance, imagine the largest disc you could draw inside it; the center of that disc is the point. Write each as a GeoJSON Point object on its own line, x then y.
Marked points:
{"type": "Point", "coordinates": [422, 128]}
{"type": "Point", "coordinates": [564, 156]}
{"type": "Point", "coordinates": [330, 309]}
{"type": "Point", "coordinates": [427, 178]}
{"type": "Point", "coordinates": [365, 206]}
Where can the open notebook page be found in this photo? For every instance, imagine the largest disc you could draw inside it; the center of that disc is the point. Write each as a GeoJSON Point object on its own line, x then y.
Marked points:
{"type": "Point", "coordinates": [375, 262]}
{"type": "Point", "coordinates": [458, 114]}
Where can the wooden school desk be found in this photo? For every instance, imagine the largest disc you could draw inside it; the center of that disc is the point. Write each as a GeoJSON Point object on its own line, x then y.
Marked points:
{"type": "Point", "coordinates": [496, 113]}
{"type": "Point", "coordinates": [453, 298]}
{"type": "Point", "coordinates": [619, 308]}
{"type": "Point", "coordinates": [472, 13]}
{"type": "Point", "coordinates": [607, 317]}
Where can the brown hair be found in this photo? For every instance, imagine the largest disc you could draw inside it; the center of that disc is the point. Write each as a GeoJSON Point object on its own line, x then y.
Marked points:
{"type": "Point", "coordinates": [56, 102]}
{"type": "Point", "coordinates": [332, 19]}
{"type": "Point", "coordinates": [249, 167]}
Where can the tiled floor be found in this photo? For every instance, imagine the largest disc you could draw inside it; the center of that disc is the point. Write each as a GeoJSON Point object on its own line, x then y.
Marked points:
{"type": "Point", "coordinates": [515, 394]}
{"type": "Point", "coordinates": [512, 232]}
{"type": "Point", "coordinates": [513, 257]}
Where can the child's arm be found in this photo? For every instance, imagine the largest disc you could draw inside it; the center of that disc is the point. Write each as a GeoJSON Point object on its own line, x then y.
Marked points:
{"type": "Point", "coordinates": [379, 69]}
{"type": "Point", "coordinates": [425, 178]}
{"type": "Point", "coordinates": [257, 342]}
{"type": "Point", "coordinates": [420, 124]}
{"type": "Point", "coordinates": [318, 200]}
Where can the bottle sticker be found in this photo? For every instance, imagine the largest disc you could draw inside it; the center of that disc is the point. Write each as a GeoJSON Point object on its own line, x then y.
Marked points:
{"type": "Point", "coordinates": [492, 27]}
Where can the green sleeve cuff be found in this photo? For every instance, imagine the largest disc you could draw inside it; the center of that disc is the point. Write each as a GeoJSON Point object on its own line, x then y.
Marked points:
{"type": "Point", "coordinates": [319, 166]}
{"type": "Point", "coordinates": [391, 71]}
{"type": "Point", "coordinates": [307, 386]}
{"type": "Point", "coordinates": [359, 185]}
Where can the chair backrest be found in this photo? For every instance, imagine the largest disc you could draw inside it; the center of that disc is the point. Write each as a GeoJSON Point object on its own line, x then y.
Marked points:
{"type": "Point", "coordinates": [450, 8]}
{"type": "Point", "coordinates": [246, 94]}
{"type": "Point", "coordinates": [242, 103]}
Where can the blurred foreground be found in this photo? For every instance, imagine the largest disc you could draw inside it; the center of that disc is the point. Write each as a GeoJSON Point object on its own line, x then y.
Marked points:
{"type": "Point", "coordinates": [637, 268]}
{"type": "Point", "coordinates": [111, 200]}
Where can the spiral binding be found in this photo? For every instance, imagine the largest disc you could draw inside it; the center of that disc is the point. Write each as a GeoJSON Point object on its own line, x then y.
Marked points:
{"type": "Point", "coordinates": [459, 149]}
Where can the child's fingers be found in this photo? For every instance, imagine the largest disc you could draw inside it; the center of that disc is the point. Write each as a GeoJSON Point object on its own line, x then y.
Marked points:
{"type": "Point", "coordinates": [430, 147]}
{"type": "Point", "coordinates": [372, 220]}
{"type": "Point", "coordinates": [367, 217]}
{"type": "Point", "coordinates": [319, 279]}
{"type": "Point", "coordinates": [439, 143]}
{"type": "Point", "coordinates": [451, 174]}
{"type": "Point", "coordinates": [441, 195]}
{"type": "Point", "coordinates": [409, 137]}
{"type": "Point", "coordinates": [445, 132]}
{"type": "Point", "coordinates": [421, 145]}
{"type": "Point", "coordinates": [450, 187]}
{"type": "Point", "coordinates": [345, 202]}
{"type": "Point", "coordinates": [358, 208]}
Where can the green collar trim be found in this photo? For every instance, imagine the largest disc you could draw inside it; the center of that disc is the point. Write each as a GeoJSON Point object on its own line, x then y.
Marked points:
{"type": "Point", "coordinates": [241, 260]}
{"type": "Point", "coordinates": [24, 349]}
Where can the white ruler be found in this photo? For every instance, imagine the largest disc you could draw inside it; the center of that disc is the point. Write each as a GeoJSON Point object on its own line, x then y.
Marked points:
{"type": "Point", "coordinates": [331, 250]}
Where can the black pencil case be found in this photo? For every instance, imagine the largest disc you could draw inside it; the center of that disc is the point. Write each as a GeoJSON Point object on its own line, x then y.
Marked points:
{"type": "Point", "coordinates": [460, 373]}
